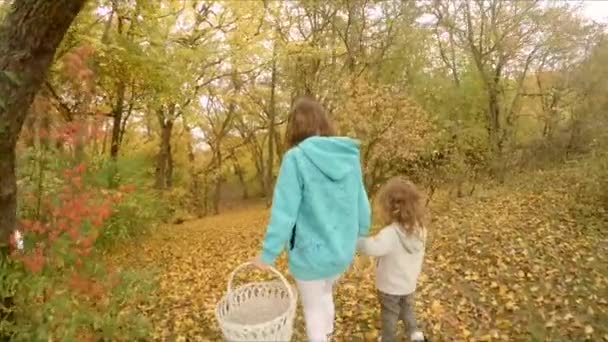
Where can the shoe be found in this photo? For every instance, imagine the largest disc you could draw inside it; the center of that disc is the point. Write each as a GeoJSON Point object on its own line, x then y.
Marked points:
{"type": "Point", "coordinates": [417, 336]}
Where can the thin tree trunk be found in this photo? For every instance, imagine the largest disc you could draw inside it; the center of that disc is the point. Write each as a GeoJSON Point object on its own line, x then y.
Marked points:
{"type": "Point", "coordinates": [195, 186]}
{"type": "Point", "coordinates": [30, 131]}
{"type": "Point", "coordinates": [279, 146]}
{"type": "Point", "coordinates": [161, 156]}
{"type": "Point", "coordinates": [104, 141]}
{"type": "Point", "coordinates": [240, 173]}
{"type": "Point", "coordinates": [494, 120]}
{"type": "Point", "coordinates": [205, 198]}
{"type": "Point", "coordinates": [29, 37]}
{"type": "Point", "coordinates": [169, 175]}
{"type": "Point", "coordinates": [271, 128]}
{"type": "Point", "coordinates": [257, 156]}
{"type": "Point", "coordinates": [117, 119]}
{"type": "Point", "coordinates": [95, 136]}
{"type": "Point", "coordinates": [115, 137]}
{"type": "Point", "coordinates": [41, 177]}
{"type": "Point", "coordinates": [261, 177]}
{"type": "Point", "coordinates": [218, 180]}
{"type": "Point", "coordinates": [262, 180]}
{"type": "Point", "coordinates": [79, 153]}
{"type": "Point", "coordinates": [573, 141]}
{"type": "Point", "coordinates": [45, 124]}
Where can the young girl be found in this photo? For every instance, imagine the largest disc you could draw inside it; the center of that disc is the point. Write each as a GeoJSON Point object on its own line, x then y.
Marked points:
{"type": "Point", "coordinates": [319, 209]}
{"type": "Point", "coordinates": [400, 251]}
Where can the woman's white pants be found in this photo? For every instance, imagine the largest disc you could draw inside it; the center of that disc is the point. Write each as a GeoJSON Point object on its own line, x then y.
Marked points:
{"type": "Point", "coordinates": [318, 305]}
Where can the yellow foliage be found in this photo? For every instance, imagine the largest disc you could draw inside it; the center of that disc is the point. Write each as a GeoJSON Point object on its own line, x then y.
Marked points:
{"type": "Point", "coordinates": [392, 128]}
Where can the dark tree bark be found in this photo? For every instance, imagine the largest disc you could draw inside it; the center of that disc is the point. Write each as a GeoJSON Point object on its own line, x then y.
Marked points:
{"type": "Point", "coordinates": [29, 37]}
{"type": "Point", "coordinates": [164, 161]}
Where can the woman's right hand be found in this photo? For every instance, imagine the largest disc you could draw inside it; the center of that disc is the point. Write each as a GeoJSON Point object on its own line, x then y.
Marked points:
{"type": "Point", "coordinates": [259, 263]}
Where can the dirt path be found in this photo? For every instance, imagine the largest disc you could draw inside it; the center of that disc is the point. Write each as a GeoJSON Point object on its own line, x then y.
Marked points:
{"type": "Point", "coordinates": [503, 265]}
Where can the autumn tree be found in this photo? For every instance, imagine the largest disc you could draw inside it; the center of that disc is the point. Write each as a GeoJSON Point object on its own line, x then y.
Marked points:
{"type": "Point", "coordinates": [552, 85]}
{"type": "Point", "coordinates": [588, 119]}
{"type": "Point", "coordinates": [501, 39]}
{"type": "Point", "coordinates": [392, 128]}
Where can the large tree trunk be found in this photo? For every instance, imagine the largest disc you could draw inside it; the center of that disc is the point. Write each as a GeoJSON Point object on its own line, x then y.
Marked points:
{"type": "Point", "coordinates": [29, 37]}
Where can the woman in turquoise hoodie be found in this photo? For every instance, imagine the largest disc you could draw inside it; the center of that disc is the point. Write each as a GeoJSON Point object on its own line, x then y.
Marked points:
{"type": "Point", "coordinates": [319, 209]}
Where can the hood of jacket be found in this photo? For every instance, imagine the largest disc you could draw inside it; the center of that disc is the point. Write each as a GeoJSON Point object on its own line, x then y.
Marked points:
{"type": "Point", "coordinates": [335, 157]}
{"type": "Point", "coordinates": [412, 243]}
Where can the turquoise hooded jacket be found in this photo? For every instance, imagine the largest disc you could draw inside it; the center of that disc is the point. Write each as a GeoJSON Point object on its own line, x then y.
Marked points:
{"type": "Point", "coordinates": [319, 208]}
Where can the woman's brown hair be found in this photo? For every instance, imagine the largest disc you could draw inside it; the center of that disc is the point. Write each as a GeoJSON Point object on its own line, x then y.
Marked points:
{"type": "Point", "coordinates": [403, 204]}
{"type": "Point", "coordinates": [307, 119]}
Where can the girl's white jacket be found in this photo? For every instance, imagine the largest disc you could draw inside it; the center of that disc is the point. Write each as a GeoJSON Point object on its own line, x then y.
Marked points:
{"type": "Point", "coordinates": [399, 260]}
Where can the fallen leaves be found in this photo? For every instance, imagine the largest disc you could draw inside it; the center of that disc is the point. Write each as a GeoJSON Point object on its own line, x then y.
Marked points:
{"type": "Point", "coordinates": [510, 264]}
{"type": "Point", "coordinates": [436, 308]}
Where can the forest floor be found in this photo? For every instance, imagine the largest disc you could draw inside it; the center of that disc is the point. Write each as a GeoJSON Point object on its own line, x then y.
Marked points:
{"type": "Point", "coordinates": [511, 262]}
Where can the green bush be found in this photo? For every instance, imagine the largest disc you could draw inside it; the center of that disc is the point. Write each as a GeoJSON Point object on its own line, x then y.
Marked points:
{"type": "Point", "coordinates": [90, 304]}
{"type": "Point", "coordinates": [137, 212]}
{"type": "Point", "coordinates": [9, 282]}
{"type": "Point", "coordinates": [135, 170]}
{"type": "Point", "coordinates": [593, 199]}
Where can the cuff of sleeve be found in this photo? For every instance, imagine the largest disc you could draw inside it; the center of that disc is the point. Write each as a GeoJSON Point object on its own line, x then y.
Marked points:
{"type": "Point", "coordinates": [267, 257]}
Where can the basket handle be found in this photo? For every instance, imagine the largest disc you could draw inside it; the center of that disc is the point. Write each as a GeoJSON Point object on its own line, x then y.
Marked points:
{"type": "Point", "coordinates": [270, 268]}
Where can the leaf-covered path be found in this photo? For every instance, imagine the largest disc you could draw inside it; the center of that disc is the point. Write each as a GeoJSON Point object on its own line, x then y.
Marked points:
{"type": "Point", "coordinates": [506, 264]}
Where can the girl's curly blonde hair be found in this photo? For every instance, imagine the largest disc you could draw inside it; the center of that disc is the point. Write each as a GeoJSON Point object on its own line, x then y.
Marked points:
{"type": "Point", "coordinates": [402, 203]}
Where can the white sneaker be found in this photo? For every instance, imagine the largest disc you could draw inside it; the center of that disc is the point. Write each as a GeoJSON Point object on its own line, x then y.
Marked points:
{"type": "Point", "coordinates": [417, 336]}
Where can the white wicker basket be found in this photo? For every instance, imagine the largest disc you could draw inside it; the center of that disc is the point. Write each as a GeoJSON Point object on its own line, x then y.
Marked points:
{"type": "Point", "coordinates": [259, 311]}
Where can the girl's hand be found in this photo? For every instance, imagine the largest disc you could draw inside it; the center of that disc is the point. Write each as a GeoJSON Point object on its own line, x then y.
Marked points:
{"type": "Point", "coordinates": [257, 262]}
